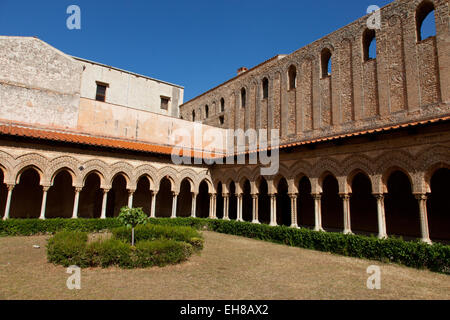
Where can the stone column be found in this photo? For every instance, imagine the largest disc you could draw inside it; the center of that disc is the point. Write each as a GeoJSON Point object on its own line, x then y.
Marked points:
{"type": "Point", "coordinates": [226, 201]}
{"type": "Point", "coordinates": [8, 201]}
{"type": "Point", "coordinates": [193, 204]}
{"type": "Point", "coordinates": [273, 210]}
{"type": "Point", "coordinates": [213, 199]}
{"type": "Point", "coordinates": [44, 202]}
{"type": "Point", "coordinates": [174, 204]}
{"type": "Point", "coordinates": [318, 211]}
{"type": "Point", "coordinates": [293, 197]}
{"type": "Point", "coordinates": [422, 198]}
{"type": "Point", "coordinates": [239, 207]}
{"type": "Point", "coordinates": [153, 207]}
{"type": "Point", "coordinates": [130, 198]}
{"type": "Point", "coordinates": [346, 206]}
{"type": "Point", "coordinates": [255, 209]}
{"type": "Point", "coordinates": [105, 199]}
{"type": "Point", "coordinates": [381, 216]}
{"type": "Point", "coordinates": [75, 202]}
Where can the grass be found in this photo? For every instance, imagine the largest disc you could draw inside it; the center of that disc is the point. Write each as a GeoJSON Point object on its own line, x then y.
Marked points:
{"type": "Point", "coordinates": [229, 267]}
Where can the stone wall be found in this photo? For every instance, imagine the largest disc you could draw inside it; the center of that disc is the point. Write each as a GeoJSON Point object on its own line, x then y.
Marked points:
{"type": "Point", "coordinates": [38, 83]}
{"type": "Point", "coordinates": [408, 80]}
{"type": "Point", "coordinates": [130, 90]}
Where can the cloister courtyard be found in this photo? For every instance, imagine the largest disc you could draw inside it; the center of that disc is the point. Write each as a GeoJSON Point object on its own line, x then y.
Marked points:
{"type": "Point", "coordinates": [229, 267]}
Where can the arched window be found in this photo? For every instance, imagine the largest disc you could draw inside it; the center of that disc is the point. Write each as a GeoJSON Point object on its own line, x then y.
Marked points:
{"type": "Point", "coordinates": [193, 115]}
{"type": "Point", "coordinates": [265, 88]}
{"type": "Point", "coordinates": [326, 62]}
{"type": "Point", "coordinates": [369, 45]}
{"type": "Point", "coordinates": [206, 111]}
{"type": "Point", "coordinates": [425, 21]}
{"type": "Point", "coordinates": [222, 105]}
{"type": "Point", "coordinates": [292, 73]}
{"type": "Point", "coordinates": [243, 97]}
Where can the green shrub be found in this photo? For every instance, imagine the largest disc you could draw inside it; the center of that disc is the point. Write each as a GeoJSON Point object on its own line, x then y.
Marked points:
{"type": "Point", "coordinates": [156, 246]}
{"type": "Point", "coordinates": [68, 248]}
{"type": "Point", "coordinates": [161, 252]}
{"type": "Point", "coordinates": [415, 254]}
{"type": "Point", "coordinates": [153, 232]}
{"type": "Point", "coordinates": [28, 227]}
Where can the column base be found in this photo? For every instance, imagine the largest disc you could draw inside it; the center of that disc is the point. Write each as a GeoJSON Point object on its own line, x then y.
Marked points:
{"type": "Point", "coordinates": [428, 241]}
{"type": "Point", "coordinates": [295, 226]}
{"type": "Point", "coordinates": [240, 220]}
{"type": "Point", "coordinates": [382, 236]}
{"type": "Point", "coordinates": [226, 219]}
{"type": "Point", "coordinates": [41, 218]}
{"type": "Point", "coordinates": [319, 229]}
{"type": "Point", "coordinates": [256, 222]}
{"type": "Point", "coordinates": [273, 224]}
{"type": "Point", "coordinates": [348, 232]}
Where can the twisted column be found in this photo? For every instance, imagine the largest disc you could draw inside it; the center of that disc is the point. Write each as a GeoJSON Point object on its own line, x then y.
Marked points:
{"type": "Point", "coordinates": [293, 197]}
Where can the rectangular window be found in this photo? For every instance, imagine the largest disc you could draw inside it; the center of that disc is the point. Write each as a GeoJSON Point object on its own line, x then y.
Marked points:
{"type": "Point", "coordinates": [165, 103]}
{"type": "Point", "coordinates": [101, 91]}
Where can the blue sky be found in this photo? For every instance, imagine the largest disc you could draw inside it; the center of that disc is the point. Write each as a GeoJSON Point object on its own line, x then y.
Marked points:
{"type": "Point", "coordinates": [197, 44]}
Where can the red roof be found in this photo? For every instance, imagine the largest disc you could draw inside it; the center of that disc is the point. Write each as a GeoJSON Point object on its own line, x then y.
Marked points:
{"type": "Point", "coordinates": [85, 139]}
{"type": "Point", "coordinates": [53, 135]}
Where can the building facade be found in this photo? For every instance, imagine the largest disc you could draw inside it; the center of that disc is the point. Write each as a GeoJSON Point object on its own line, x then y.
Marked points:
{"type": "Point", "coordinates": [364, 140]}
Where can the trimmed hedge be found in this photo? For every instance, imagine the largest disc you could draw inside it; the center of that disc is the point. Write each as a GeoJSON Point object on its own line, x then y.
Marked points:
{"type": "Point", "coordinates": [153, 232]}
{"type": "Point", "coordinates": [72, 248]}
{"type": "Point", "coordinates": [28, 227]}
{"type": "Point", "coordinates": [413, 254]}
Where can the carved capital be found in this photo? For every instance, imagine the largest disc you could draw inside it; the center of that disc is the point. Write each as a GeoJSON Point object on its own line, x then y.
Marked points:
{"type": "Point", "coordinates": [421, 196]}
{"type": "Point", "coordinates": [316, 196]}
{"type": "Point", "coordinates": [379, 196]}
{"type": "Point", "coordinates": [345, 196]}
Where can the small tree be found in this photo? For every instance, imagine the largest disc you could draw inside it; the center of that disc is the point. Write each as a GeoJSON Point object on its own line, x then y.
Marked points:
{"type": "Point", "coordinates": [131, 217]}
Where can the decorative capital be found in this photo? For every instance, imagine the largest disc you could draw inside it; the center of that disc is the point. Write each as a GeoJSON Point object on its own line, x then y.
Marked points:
{"type": "Point", "coordinates": [316, 196]}
{"type": "Point", "coordinates": [106, 190]}
{"type": "Point", "coordinates": [421, 196]}
{"type": "Point", "coordinates": [10, 187]}
{"type": "Point", "coordinates": [345, 196]}
{"type": "Point", "coordinates": [78, 189]}
{"type": "Point", "coordinates": [379, 196]}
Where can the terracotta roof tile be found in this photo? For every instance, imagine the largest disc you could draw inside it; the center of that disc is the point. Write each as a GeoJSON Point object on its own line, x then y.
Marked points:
{"type": "Point", "coordinates": [84, 139]}
{"type": "Point", "coordinates": [14, 130]}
